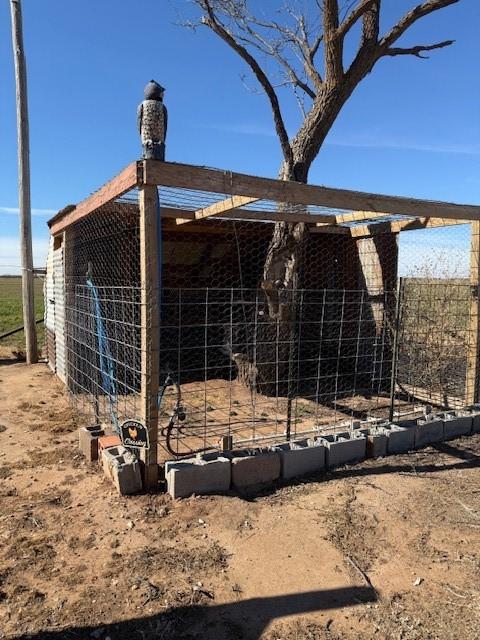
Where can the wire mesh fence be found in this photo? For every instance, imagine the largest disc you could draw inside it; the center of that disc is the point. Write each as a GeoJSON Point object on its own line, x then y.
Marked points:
{"type": "Point", "coordinates": [352, 347]}
{"type": "Point", "coordinates": [434, 341]}
{"type": "Point", "coordinates": [235, 372]}
{"type": "Point", "coordinates": [437, 333]}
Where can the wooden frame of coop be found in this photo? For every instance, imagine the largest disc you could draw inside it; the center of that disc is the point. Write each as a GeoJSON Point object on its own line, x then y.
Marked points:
{"type": "Point", "coordinates": [356, 215]}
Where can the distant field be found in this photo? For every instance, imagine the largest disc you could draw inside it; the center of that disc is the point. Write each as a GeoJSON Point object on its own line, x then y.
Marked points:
{"type": "Point", "coordinates": [11, 310]}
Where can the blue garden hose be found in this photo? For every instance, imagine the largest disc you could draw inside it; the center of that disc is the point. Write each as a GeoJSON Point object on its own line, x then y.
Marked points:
{"type": "Point", "coordinates": [107, 369]}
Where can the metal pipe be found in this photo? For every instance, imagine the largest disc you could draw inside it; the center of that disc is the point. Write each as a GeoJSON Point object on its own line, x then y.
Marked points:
{"type": "Point", "coordinates": [393, 378]}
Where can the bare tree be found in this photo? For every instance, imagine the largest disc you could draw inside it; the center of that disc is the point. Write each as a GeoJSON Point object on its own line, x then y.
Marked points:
{"type": "Point", "coordinates": [295, 43]}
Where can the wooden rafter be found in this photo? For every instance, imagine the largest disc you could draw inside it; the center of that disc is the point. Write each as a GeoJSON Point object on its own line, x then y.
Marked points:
{"type": "Point", "coordinates": [355, 216]}
{"type": "Point", "coordinates": [219, 208]}
{"type": "Point", "coordinates": [254, 214]}
{"type": "Point", "coordinates": [403, 225]}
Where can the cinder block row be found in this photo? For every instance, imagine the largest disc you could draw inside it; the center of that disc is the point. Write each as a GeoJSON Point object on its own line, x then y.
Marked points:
{"type": "Point", "coordinates": [434, 428]}
{"type": "Point", "coordinates": [217, 473]}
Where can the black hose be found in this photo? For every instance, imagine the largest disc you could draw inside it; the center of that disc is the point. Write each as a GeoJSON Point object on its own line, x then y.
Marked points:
{"type": "Point", "coordinates": [177, 413]}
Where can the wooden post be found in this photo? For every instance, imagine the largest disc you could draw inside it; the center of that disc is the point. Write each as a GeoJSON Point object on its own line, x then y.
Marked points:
{"type": "Point", "coordinates": [473, 356]}
{"type": "Point", "coordinates": [24, 184]}
{"type": "Point", "coordinates": [150, 282]}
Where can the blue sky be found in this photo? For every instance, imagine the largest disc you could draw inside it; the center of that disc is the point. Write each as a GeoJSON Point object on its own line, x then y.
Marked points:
{"type": "Point", "coordinates": [412, 128]}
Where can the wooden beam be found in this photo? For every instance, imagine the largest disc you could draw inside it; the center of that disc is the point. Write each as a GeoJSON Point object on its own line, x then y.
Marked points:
{"type": "Point", "coordinates": [219, 208]}
{"type": "Point", "coordinates": [245, 214]}
{"type": "Point", "coordinates": [355, 216]}
{"type": "Point", "coordinates": [172, 213]}
{"type": "Point", "coordinates": [126, 180]}
{"type": "Point", "coordinates": [472, 383]}
{"type": "Point", "coordinates": [257, 214]}
{"type": "Point", "coordinates": [334, 229]}
{"type": "Point", "coordinates": [213, 180]}
{"type": "Point", "coordinates": [403, 225]}
{"type": "Point", "coordinates": [149, 329]}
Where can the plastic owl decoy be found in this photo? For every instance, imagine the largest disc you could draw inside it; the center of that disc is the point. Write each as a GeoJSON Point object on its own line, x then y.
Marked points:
{"type": "Point", "coordinates": [152, 122]}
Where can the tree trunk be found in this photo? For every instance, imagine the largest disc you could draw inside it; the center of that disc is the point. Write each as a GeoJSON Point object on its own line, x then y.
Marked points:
{"type": "Point", "coordinates": [283, 263]}
{"type": "Point", "coordinates": [276, 339]}
{"type": "Point", "coordinates": [283, 260]}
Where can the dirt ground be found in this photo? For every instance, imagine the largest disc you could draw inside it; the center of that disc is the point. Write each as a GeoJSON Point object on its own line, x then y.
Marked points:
{"type": "Point", "coordinates": [388, 549]}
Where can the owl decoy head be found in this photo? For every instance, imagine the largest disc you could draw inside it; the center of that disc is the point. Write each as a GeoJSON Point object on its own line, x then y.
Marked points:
{"type": "Point", "coordinates": [153, 91]}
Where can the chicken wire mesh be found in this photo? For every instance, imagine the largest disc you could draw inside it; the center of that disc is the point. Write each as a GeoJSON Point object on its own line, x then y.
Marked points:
{"type": "Point", "coordinates": [349, 349]}
{"type": "Point", "coordinates": [102, 313]}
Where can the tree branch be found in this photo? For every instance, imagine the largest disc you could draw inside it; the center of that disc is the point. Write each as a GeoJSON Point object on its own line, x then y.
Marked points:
{"type": "Point", "coordinates": [274, 50]}
{"type": "Point", "coordinates": [352, 17]}
{"type": "Point", "coordinates": [309, 53]}
{"type": "Point", "coordinates": [217, 27]}
{"type": "Point", "coordinates": [412, 16]}
{"type": "Point", "coordinates": [417, 51]}
{"type": "Point", "coordinates": [371, 26]}
{"type": "Point", "coordinates": [333, 43]}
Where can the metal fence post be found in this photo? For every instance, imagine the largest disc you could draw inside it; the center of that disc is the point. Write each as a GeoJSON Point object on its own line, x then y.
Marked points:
{"type": "Point", "coordinates": [396, 329]}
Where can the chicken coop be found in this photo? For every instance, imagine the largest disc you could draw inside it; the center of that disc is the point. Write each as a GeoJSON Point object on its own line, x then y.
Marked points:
{"type": "Point", "coordinates": [158, 308]}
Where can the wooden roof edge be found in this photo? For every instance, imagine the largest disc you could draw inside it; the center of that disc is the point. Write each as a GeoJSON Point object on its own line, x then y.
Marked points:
{"type": "Point", "coordinates": [183, 176]}
{"type": "Point", "coordinates": [130, 177]}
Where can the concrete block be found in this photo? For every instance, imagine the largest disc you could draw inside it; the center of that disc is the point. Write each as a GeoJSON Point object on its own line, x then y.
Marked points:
{"type": "Point", "coordinates": [127, 477]}
{"type": "Point", "coordinates": [210, 473]}
{"type": "Point", "coordinates": [254, 467]}
{"type": "Point", "coordinates": [376, 442]}
{"type": "Point", "coordinates": [108, 457]}
{"type": "Point", "coordinates": [429, 431]}
{"type": "Point", "coordinates": [105, 442]}
{"type": "Point", "coordinates": [88, 441]}
{"type": "Point", "coordinates": [474, 412]}
{"type": "Point", "coordinates": [344, 448]}
{"type": "Point", "coordinates": [401, 436]}
{"type": "Point", "coordinates": [301, 458]}
{"type": "Point", "coordinates": [123, 468]}
{"type": "Point", "coordinates": [455, 425]}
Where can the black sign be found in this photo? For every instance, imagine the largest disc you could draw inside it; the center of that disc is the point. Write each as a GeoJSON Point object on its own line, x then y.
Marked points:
{"type": "Point", "coordinates": [134, 434]}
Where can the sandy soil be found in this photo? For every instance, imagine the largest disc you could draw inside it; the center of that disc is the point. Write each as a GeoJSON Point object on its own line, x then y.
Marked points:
{"type": "Point", "coordinates": [388, 549]}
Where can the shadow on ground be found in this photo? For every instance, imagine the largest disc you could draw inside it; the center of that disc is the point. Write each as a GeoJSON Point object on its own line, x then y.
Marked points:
{"type": "Point", "coordinates": [246, 619]}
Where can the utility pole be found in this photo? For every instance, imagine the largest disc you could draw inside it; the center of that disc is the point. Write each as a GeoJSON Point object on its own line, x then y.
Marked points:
{"type": "Point", "coordinates": [24, 183]}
